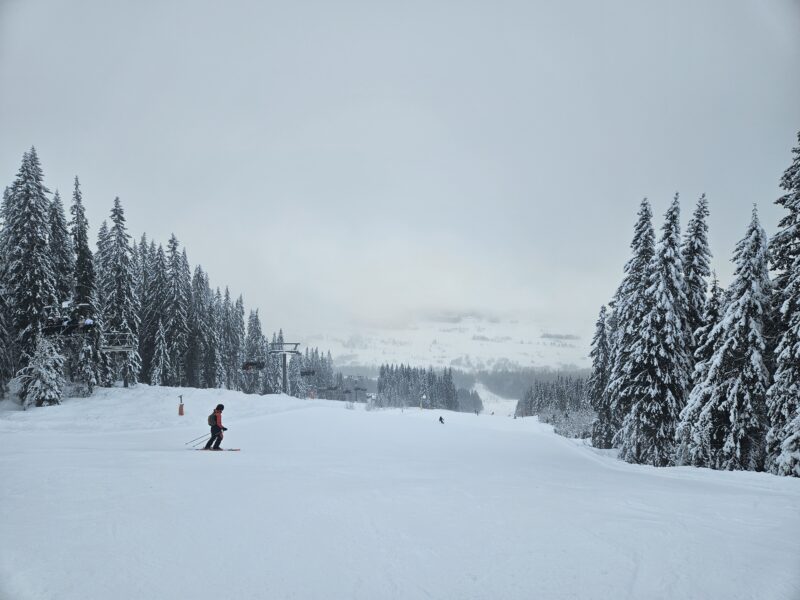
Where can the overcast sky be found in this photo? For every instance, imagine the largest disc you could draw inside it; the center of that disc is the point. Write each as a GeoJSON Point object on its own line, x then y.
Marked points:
{"type": "Point", "coordinates": [344, 164]}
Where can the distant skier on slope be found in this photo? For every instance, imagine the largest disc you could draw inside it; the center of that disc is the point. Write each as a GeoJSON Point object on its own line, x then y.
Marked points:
{"type": "Point", "coordinates": [441, 420]}
{"type": "Point", "coordinates": [215, 422]}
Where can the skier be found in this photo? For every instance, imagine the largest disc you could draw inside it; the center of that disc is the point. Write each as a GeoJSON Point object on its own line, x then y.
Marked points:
{"type": "Point", "coordinates": [215, 421]}
{"type": "Point", "coordinates": [441, 420]}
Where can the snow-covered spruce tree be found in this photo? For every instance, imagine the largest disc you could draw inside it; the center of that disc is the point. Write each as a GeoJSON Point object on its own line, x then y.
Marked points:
{"type": "Point", "coordinates": [731, 425]}
{"type": "Point", "coordinates": [215, 363]}
{"type": "Point", "coordinates": [160, 364]}
{"type": "Point", "coordinates": [602, 428]}
{"type": "Point", "coordinates": [785, 244]}
{"type": "Point", "coordinates": [707, 338]}
{"type": "Point", "coordinates": [29, 280]}
{"type": "Point", "coordinates": [86, 369]}
{"type": "Point", "coordinates": [177, 311]}
{"type": "Point", "coordinates": [42, 381]}
{"type": "Point", "coordinates": [84, 264]}
{"type": "Point", "coordinates": [106, 367]}
{"type": "Point", "coordinates": [273, 379]}
{"type": "Point", "coordinates": [153, 306]}
{"type": "Point", "coordinates": [788, 462]}
{"type": "Point", "coordinates": [61, 251]}
{"type": "Point", "coordinates": [6, 348]}
{"type": "Point", "coordinates": [197, 339]}
{"type": "Point", "coordinates": [146, 338]}
{"type": "Point", "coordinates": [783, 398]}
{"type": "Point", "coordinates": [629, 309]}
{"type": "Point", "coordinates": [120, 309]}
{"type": "Point", "coordinates": [297, 383]}
{"type": "Point", "coordinates": [229, 343]}
{"type": "Point", "coordinates": [696, 257]}
{"type": "Point", "coordinates": [660, 378]}
{"type": "Point", "coordinates": [210, 365]}
{"type": "Point", "coordinates": [254, 351]}
{"type": "Point", "coordinates": [237, 343]}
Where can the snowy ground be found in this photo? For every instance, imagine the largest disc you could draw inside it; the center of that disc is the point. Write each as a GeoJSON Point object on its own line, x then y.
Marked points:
{"type": "Point", "coordinates": [101, 501]}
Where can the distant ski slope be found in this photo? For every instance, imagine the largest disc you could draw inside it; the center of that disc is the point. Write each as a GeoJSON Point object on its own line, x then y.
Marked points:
{"type": "Point", "coordinates": [492, 403]}
{"type": "Point", "coordinates": [101, 501]}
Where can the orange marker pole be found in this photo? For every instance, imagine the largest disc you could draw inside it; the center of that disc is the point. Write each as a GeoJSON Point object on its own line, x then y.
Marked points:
{"type": "Point", "coordinates": [180, 407]}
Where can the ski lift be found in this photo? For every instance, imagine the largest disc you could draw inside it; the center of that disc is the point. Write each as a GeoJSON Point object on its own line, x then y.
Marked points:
{"type": "Point", "coordinates": [111, 342]}
{"type": "Point", "coordinates": [64, 320]}
{"type": "Point", "coordinates": [253, 365]}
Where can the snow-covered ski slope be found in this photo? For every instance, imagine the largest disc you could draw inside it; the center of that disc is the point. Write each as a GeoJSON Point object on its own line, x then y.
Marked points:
{"type": "Point", "coordinates": [494, 404]}
{"type": "Point", "coordinates": [101, 500]}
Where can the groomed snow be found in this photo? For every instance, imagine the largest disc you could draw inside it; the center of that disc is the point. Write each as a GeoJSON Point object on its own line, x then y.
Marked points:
{"type": "Point", "coordinates": [102, 501]}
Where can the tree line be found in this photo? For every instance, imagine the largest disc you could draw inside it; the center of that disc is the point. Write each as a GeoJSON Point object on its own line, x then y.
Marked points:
{"type": "Point", "coordinates": [129, 311]}
{"type": "Point", "coordinates": [402, 385]}
{"type": "Point", "coordinates": [685, 372]}
{"type": "Point", "coordinates": [563, 393]}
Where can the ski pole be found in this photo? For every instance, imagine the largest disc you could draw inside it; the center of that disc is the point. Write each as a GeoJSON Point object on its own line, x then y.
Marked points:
{"type": "Point", "coordinates": [195, 439]}
{"type": "Point", "coordinates": [200, 442]}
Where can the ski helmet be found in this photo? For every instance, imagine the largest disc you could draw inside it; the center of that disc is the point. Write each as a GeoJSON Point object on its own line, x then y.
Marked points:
{"type": "Point", "coordinates": [220, 407]}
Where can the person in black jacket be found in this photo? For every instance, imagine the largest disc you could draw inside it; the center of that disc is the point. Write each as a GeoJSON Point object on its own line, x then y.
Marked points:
{"type": "Point", "coordinates": [215, 421]}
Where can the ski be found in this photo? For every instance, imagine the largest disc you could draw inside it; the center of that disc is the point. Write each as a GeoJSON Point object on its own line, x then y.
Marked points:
{"type": "Point", "coordinates": [220, 450]}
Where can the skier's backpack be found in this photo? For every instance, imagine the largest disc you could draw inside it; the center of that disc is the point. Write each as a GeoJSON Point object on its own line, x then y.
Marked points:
{"type": "Point", "coordinates": [212, 419]}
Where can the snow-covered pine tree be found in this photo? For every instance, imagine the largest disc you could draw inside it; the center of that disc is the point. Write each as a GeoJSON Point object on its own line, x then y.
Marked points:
{"type": "Point", "coordinates": [120, 309]}
{"type": "Point", "coordinates": [86, 367]}
{"type": "Point", "coordinates": [785, 244]}
{"type": "Point", "coordinates": [660, 376]}
{"type": "Point", "coordinates": [788, 462]}
{"type": "Point", "coordinates": [451, 394]}
{"type": "Point", "coordinates": [84, 264]}
{"type": "Point", "coordinates": [153, 307]}
{"type": "Point", "coordinates": [101, 264]}
{"type": "Point", "coordinates": [706, 344]}
{"type": "Point", "coordinates": [273, 381]}
{"type": "Point", "coordinates": [29, 279]}
{"type": "Point", "coordinates": [227, 339]}
{"type": "Point", "coordinates": [731, 425]}
{"type": "Point", "coordinates": [602, 428]}
{"type": "Point", "coordinates": [269, 382]}
{"type": "Point", "coordinates": [254, 351]}
{"type": "Point", "coordinates": [62, 254]}
{"type": "Point", "coordinates": [6, 351]}
{"type": "Point", "coordinates": [145, 262]}
{"type": "Point", "coordinates": [629, 309]}
{"type": "Point", "coordinates": [160, 365]}
{"type": "Point", "coordinates": [237, 343]}
{"type": "Point", "coordinates": [209, 332]}
{"type": "Point", "coordinates": [215, 372]}
{"type": "Point", "coordinates": [42, 381]}
{"type": "Point", "coordinates": [137, 270]}
{"type": "Point", "coordinates": [297, 383]}
{"type": "Point", "coordinates": [696, 258]}
{"type": "Point", "coordinates": [86, 353]}
{"type": "Point", "coordinates": [177, 312]}
{"type": "Point", "coordinates": [197, 339]}
{"type": "Point", "coordinates": [106, 368]}
{"type": "Point", "coordinates": [783, 398]}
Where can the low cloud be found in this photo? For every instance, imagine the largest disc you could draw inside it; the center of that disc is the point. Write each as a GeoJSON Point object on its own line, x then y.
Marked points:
{"type": "Point", "coordinates": [560, 336]}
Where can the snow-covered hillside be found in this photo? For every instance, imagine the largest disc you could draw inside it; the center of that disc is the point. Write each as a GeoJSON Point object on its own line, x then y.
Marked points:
{"type": "Point", "coordinates": [494, 404]}
{"type": "Point", "coordinates": [467, 343]}
{"type": "Point", "coordinates": [101, 500]}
